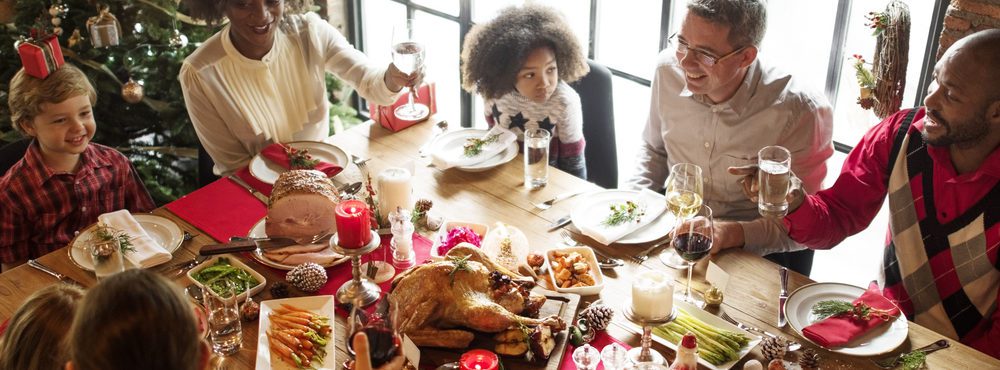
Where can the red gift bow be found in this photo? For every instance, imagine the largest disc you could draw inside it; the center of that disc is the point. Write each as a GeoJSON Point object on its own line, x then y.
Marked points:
{"type": "Point", "coordinates": [838, 330]}
{"type": "Point", "coordinates": [277, 153]}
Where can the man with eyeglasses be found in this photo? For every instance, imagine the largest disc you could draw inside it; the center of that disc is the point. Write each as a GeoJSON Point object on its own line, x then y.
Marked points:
{"type": "Point", "coordinates": [715, 104]}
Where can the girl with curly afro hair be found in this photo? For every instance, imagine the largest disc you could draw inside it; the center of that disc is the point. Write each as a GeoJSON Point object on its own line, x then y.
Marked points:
{"type": "Point", "coordinates": [520, 63]}
{"type": "Point", "coordinates": [262, 78]}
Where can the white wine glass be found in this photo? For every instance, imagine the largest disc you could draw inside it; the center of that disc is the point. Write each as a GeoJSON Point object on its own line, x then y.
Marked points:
{"type": "Point", "coordinates": [692, 242]}
{"type": "Point", "coordinates": [408, 57]}
{"type": "Point", "coordinates": [685, 189]}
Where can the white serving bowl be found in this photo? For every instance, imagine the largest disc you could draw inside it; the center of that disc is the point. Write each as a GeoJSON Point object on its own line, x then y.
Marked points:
{"type": "Point", "coordinates": [479, 229]}
{"type": "Point", "coordinates": [595, 270]}
{"type": "Point", "coordinates": [235, 262]}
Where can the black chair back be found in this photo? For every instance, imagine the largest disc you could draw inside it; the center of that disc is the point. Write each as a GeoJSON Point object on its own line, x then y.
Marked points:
{"type": "Point", "coordinates": [599, 125]}
{"type": "Point", "coordinates": [205, 165]}
{"type": "Point", "coordinates": [11, 153]}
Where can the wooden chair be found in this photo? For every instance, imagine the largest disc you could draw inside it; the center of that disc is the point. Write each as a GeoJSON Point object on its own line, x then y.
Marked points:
{"type": "Point", "coordinates": [599, 125]}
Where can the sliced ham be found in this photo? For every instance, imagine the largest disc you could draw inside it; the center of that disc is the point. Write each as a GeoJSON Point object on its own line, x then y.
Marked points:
{"type": "Point", "coordinates": [302, 205]}
{"type": "Point", "coordinates": [307, 248]}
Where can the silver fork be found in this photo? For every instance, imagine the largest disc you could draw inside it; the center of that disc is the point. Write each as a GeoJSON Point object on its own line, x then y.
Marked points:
{"type": "Point", "coordinates": [548, 203]}
{"type": "Point", "coordinates": [644, 255]}
{"type": "Point", "coordinates": [791, 345]}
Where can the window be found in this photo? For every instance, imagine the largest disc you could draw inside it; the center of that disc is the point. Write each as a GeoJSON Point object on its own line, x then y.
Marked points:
{"type": "Point", "coordinates": [809, 39]}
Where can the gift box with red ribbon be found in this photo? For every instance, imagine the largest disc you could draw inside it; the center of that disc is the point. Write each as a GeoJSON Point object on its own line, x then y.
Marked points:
{"type": "Point", "coordinates": [40, 56]}
{"type": "Point", "coordinates": [384, 114]}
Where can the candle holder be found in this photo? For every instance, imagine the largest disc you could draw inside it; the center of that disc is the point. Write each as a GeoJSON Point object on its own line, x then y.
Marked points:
{"type": "Point", "coordinates": [644, 353]}
{"type": "Point", "coordinates": [357, 291]}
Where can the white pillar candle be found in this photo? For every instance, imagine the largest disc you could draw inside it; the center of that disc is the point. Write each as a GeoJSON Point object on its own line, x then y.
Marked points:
{"type": "Point", "coordinates": [394, 190]}
{"type": "Point", "coordinates": [652, 295]}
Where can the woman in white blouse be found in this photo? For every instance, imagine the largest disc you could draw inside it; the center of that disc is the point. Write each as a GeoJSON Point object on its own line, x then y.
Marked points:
{"type": "Point", "coordinates": [261, 79]}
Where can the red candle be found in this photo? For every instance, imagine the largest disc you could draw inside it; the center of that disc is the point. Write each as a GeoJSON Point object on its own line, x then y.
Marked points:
{"type": "Point", "coordinates": [353, 224]}
{"type": "Point", "coordinates": [479, 359]}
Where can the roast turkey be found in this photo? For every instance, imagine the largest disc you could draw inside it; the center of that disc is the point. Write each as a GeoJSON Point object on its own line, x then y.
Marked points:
{"type": "Point", "coordinates": [436, 303]}
{"type": "Point", "coordinates": [302, 205]}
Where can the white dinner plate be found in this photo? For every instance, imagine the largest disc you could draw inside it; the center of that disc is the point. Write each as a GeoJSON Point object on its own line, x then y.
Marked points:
{"type": "Point", "coordinates": [456, 139]}
{"type": "Point", "coordinates": [883, 339]}
{"type": "Point", "coordinates": [711, 320]}
{"type": "Point", "coordinates": [267, 171]}
{"type": "Point", "coordinates": [592, 207]}
{"type": "Point", "coordinates": [164, 233]}
{"type": "Point", "coordinates": [321, 305]}
{"type": "Point", "coordinates": [258, 232]}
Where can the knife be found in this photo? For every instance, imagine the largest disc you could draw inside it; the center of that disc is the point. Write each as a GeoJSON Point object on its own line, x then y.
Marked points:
{"type": "Point", "coordinates": [246, 245]}
{"type": "Point", "coordinates": [260, 196]}
{"type": "Point", "coordinates": [562, 221]}
{"type": "Point", "coordinates": [782, 296]}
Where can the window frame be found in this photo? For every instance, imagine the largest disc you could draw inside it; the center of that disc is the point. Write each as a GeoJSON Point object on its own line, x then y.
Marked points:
{"type": "Point", "coordinates": [834, 68]}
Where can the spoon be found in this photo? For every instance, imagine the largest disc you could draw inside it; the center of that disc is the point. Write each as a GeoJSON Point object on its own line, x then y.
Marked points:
{"type": "Point", "coordinates": [350, 189]}
{"type": "Point", "coordinates": [196, 293]}
{"type": "Point", "coordinates": [443, 126]}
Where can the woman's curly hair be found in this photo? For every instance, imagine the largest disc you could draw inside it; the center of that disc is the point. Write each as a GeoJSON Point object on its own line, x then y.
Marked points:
{"type": "Point", "coordinates": [214, 11]}
{"type": "Point", "coordinates": [495, 51]}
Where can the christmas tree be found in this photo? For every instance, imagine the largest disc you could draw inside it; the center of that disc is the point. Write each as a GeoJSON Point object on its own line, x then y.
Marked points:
{"type": "Point", "coordinates": [140, 107]}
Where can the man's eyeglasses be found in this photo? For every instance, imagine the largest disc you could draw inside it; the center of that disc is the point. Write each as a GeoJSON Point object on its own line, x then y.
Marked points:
{"type": "Point", "coordinates": [704, 58]}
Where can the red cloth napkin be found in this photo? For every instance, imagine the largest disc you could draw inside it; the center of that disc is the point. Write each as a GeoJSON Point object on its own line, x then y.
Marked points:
{"type": "Point", "coordinates": [276, 153]}
{"type": "Point", "coordinates": [601, 340]}
{"type": "Point", "coordinates": [223, 209]}
{"type": "Point", "coordinates": [835, 331]}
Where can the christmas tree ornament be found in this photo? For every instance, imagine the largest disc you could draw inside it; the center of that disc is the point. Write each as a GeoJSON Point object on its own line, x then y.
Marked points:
{"type": "Point", "coordinates": [598, 316]}
{"type": "Point", "coordinates": [178, 40]}
{"type": "Point", "coordinates": [40, 57]}
{"type": "Point", "coordinates": [250, 310]}
{"type": "Point", "coordinates": [308, 277]}
{"type": "Point", "coordinates": [58, 31]}
{"type": "Point", "coordinates": [809, 359]}
{"type": "Point", "coordinates": [56, 21]}
{"type": "Point", "coordinates": [132, 92]}
{"type": "Point", "coordinates": [104, 28]}
{"type": "Point", "coordinates": [773, 348]}
{"type": "Point", "coordinates": [75, 38]}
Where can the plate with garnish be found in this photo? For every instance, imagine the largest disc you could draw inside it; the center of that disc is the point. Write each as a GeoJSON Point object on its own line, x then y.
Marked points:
{"type": "Point", "coordinates": [164, 233]}
{"type": "Point", "coordinates": [453, 144]}
{"type": "Point", "coordinates": [268, 171]}
{"type": "Point", "coordinates": [799, 309]}
{"type": "Point", "coordinates": [640, 215]}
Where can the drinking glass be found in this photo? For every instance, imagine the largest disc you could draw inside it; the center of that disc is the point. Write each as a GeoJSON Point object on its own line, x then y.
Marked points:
{"type": "Point", "coordinates": [384, 343]}
{"type": "Point", "coordinates": [224, 328]}
{"type": "Point", "coordinates": [685, 189]}
{"type": "Point", "coordinates": [408, 57]}
{"type": "Point", "coordinates": [773, 180]}
{"type": "Point", "coordinates": [107, 257]}
{"type": "Point", "coordinates": [536, 158]}
{"type": "Point", "coordinates": [692, 241]}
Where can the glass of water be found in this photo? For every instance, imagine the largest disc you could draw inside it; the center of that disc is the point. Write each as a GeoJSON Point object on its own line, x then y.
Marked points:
{"type": "Point", "coordinates": [536, 157]}
{"type": "Point", "coordinates": [224, 328]}
{"type": "Point", "coordinates": [773, 180]}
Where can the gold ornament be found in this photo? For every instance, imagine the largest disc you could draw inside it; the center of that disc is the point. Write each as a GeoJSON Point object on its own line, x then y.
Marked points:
{"type": "Point", "coordinates": [132, 92]}
{"type": "Point", "coordinates": [75, 38]}
{"type": "Point", "coordinates": [713, 296]}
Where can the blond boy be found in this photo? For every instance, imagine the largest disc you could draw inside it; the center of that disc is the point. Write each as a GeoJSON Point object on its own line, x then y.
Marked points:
{"type": "Point", "coordinates": [63, 182]}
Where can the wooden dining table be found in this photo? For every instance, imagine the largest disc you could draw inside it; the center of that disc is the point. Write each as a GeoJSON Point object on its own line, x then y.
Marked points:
{"type": "Point", "coordinates": [496, 195]}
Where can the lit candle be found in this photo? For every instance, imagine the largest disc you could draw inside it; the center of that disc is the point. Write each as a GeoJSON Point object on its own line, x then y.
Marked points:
{"type": "Point", "coordinates": [353, 224]}
{"type": "Point", "coordinates": [394, 190]}
{"type": "Point", "coordinates": [652, 295]}
{"type": "Point", "coordinates": [479, 359]}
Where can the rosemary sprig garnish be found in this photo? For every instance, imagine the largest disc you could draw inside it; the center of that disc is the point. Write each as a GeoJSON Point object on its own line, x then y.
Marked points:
{"type": "Point", "coordinates": [859, 310]}
{"type": "Point", "coordinates": [299, 158]}
{"type": "Point", "coordinates": [106, 233]}
{"type": "Point", "coordinates": [473, 146]}
{"type": "Point", "coordinates": [913, 360]}
{"type": "Point", "coordinates": [624, 212]}
{"type": "Point", "coordinates": [461, 263]}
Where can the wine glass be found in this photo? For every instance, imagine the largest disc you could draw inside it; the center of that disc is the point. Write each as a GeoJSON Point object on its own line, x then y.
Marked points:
{"type": "Point", "coordinates": [692, 241]}
{"type": "Point", "coordinates": [384, 342]}
{"type": "Point", "coordinates": [685, 188]}
{"type": "Point", "coordinates": [408, 57]}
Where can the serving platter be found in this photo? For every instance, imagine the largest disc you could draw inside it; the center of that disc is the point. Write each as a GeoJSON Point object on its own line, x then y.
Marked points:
{"type": "Point", "coordinates": [322, 305]}
{"type": "Point", "coordinates": [257, 231]}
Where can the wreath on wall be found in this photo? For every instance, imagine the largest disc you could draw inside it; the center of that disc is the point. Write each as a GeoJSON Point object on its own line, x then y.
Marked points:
{"type": "Point", "coordinates": [882, 85]}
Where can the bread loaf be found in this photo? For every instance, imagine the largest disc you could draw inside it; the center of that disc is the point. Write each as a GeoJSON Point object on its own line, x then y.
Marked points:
{"type": "Point", "coordinates": [302, 205]}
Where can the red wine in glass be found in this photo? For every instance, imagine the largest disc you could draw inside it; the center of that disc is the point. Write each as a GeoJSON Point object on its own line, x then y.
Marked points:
{"type": "Point", "coordinates": [692, 247]}
{"type": "Point", "coordinates": [383, 344]}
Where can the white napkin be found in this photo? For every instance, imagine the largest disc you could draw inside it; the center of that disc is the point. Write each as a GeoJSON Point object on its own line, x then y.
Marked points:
{"type": "Point", "coordinates": [454, 155]}
{"type": "Point", "coordinates": [654, 203]}
{"type": "Point", "coordinates": [147, 253]}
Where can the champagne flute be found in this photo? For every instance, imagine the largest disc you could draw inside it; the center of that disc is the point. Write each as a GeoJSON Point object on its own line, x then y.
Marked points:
{"type": "Point", "coordinates": [692, 241]}
{"type": "Point", "coordinates": [684, 197]}
{"type": "Point", "coordinates": [408, 57]}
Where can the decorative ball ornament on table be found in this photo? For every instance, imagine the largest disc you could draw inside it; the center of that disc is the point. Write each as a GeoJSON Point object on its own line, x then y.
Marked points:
{"type": "Point", "coordinates": [308, 277]}
{"type": "Point", "coordinates": [132, 92]}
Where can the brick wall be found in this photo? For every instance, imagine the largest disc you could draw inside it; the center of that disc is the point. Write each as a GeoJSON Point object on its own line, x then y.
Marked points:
{"type": "Point", "coordinates": [967, 16]}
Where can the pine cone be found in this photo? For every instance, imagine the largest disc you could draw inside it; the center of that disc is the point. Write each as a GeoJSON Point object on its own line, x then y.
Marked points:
{"type": "Point", "coordinates": [308, 277]}
{"type": "Point", "coordinates": [279, 290]}
{"type": "Point", "coordinates": [809, 359]}
{"type": "Point", "coordinates": [773, 348]}
{"type": "Point", "coordinates": [423, 205]}
{"type": "Point", "coordinates": [598, 316]}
